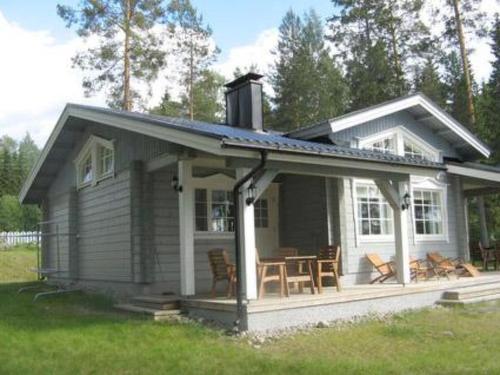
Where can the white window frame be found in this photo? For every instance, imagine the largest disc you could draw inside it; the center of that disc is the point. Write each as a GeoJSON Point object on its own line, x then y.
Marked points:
{"type": "Point", "coordinates": [399, 135]}
{"type": "Point", "coordinates": [428, 184]}
{"type": "Point", "coordinates": [91, 148]}
{"type": "Point", "coordinates": [370, 238]}
{"type": "Point", "coordinates": [218, 181]}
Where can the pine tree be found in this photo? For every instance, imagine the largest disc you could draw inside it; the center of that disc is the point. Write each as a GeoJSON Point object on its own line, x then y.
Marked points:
{"type": "Point", "coordinates": [308, 85]}
{"type": "Point", "coordinates": [194, 46]}
{"type": "Point", "coordinates": [456, 88]}
{"type": "Point", "coordinates": [129, 53]}
{"type": "Point", "coordinates": [428, 81]}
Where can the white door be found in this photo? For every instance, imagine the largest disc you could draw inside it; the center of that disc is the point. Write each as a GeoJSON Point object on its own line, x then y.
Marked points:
{"type": "Point", "coordinates": [266, 221]}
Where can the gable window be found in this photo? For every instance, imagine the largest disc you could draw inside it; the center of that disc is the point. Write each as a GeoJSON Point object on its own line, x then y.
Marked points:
{"type": "Point", "coordinates": [400, 141]}
{"type": "Point", "coordinates": [261, 213]}
{"type": "Point", "coordinates": [95, 162]}
{"type": "Point", "coordinates": [386, 146]}
{"type": "Point", "coordinates": [214, 211]}
{"type": "Point", "coordinates": [374, 215]}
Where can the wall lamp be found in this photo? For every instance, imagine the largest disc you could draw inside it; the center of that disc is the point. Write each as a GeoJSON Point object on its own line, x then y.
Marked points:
{"type": "Point", "coordinates": [405, 202]}
{"type": "Point", "coordinates": [175, 184]}
{"type": "Point", "coordinates": [252, 192]}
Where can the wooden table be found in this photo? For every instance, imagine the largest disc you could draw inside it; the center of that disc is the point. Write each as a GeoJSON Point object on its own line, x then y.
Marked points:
{"type": "Point", "coordinates": [301, 276]}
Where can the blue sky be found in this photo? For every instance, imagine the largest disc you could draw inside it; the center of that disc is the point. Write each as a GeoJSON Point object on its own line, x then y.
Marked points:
{"type": "Point", "coordinates": [233, 22]}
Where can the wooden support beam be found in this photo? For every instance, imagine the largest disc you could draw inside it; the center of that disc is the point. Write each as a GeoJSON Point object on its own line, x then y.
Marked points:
{"type": "Point", "coordinates": [481, 191]}
{"type": "Point", "coordinates": [160, 162]}
{"type": "Point", "coordinates": [394, 193]}
{"type": "Point", "coordinates": [424, 117]}
{"type": "Point", "coordinates": [263, 182]}
{"type": "Point", "coordinates": [247, 241]}
{"type": "Point", "coordinates": [186, 228]}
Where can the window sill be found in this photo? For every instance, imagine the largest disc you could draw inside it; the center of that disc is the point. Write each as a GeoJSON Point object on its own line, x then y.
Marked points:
{"type": "Point", "coordinates": [431, 238]}
{"type": "Point", "coordinates": [375, 239]}
{"type": "Point", "coordinates": [213, 235]}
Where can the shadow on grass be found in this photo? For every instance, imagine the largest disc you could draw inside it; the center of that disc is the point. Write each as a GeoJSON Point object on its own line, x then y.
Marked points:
{"type": "Point", "coordinates": [73, 310]}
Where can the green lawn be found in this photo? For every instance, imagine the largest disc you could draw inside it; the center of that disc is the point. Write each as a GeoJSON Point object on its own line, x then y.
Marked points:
{"type": "Point", "coordinates": [15, 264]}
{"type": "Point", "coordinates": [78, 334]}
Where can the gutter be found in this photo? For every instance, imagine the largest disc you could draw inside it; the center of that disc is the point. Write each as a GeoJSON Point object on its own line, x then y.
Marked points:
{"type": "Point", "coordinates": [236, 201]}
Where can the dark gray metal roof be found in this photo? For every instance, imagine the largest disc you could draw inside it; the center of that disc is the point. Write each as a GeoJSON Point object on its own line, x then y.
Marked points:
{"type": "Point", "coordinates": [237, 137]}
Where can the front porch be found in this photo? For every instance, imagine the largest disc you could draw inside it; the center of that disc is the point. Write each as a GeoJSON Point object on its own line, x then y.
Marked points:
{"type": "Point", "coordinates": [275, 313]}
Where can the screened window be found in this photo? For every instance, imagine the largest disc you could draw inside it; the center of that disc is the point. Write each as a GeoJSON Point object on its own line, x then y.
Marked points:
{"type": "Point", "coordinates": [261, 213]}
{"type": "Point", "coordinates": [427, 206]}
{"type": "Point", "coordinates": [374, 212]}
{"type": "Point", "coordinates": [214, 210]}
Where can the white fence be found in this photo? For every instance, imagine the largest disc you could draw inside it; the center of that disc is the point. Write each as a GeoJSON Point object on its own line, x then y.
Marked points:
{"type": "Point", "coordinates": [17, 238]}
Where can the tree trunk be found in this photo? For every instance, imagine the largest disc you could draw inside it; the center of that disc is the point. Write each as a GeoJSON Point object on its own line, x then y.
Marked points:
{"type": "Point", "coordinates": [465, 64]}
{"type": "Point", "coordinates": [191, 80]}
{"type": "Point", "coordinates": [127, 103]}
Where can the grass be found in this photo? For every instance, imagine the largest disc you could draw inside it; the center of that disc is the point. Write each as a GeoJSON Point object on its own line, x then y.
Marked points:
{"type": "Point", "coordinates": [16, 262]}
{"type": "Point", "coordinates": [81, 334]}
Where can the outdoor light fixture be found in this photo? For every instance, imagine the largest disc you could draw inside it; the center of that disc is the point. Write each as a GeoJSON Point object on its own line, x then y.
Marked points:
{"type": "Point", "coordinates": [252, 192]}
{"type": "Point", "coordinates": [175, 184]}
{"type": "Point", "coordinates": [405, 202]}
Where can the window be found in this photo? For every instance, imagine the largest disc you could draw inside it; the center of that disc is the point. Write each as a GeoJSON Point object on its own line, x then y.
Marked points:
{"type": "Point", "coordinates": [106, 160]}
{"type": "Point", "coordinates": [214, 211]}
{"type": "Point", "coordinates": [374, 215]}
{"type": "Point", "coordinates": [400, 141]}
{"type": "Point", "coordinates": [86, 171]}
{"type": "Point", "coordinates": [385, 146]}
{"type": "Point", "coordinates": [427, 207]}
{"type": "Point", "coordinates": [261, 213]}
{"type": "Point", "coordinates": [413, 151]}
{"type": "Point", "coordinates": [95, 162]}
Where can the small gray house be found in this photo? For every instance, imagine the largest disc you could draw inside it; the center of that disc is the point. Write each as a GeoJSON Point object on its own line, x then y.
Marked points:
{"type": "Point", "coordinates": [132, 202]}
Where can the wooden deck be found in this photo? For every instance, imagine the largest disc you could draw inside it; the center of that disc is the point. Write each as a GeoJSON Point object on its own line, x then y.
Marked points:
{"type": "Point", "coordinates": [351, 301]}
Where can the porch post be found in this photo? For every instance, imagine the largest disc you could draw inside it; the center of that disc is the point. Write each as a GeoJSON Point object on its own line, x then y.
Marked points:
{"type": "Point", "coordinates": [247, 241]}
{"type": "Point", "coordinates": [186, 228]}
{"type": "Point", "coordinates": [394, 193]}
{"type": "Point", "coordinates": [401, 239]}
{"type": "Point", "coordinates": [483, 227]}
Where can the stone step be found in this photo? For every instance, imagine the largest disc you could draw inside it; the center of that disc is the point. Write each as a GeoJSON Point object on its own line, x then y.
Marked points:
{"type": "Point", "coordinates": [158, 302]}
{"type": "Point", "coordinates": [154, 313]}
{"type": "Point", "coordinates": [455, 302]}
{"type": "Point", "coordinates": [472, 292]}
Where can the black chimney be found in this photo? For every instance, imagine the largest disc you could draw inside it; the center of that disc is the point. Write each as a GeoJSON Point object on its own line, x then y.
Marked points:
{"type": "Point", "coordinates": [244, 102]}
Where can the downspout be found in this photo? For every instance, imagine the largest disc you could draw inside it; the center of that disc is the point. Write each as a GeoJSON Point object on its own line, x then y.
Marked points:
{"type": "Point", "coordinates": [236, 201]}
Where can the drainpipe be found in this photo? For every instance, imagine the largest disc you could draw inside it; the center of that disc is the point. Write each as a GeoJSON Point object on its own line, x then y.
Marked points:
{"type": "Point", "coordinates": [236, 201]}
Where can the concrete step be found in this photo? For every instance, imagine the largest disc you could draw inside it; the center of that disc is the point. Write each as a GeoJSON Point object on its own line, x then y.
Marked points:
{"type": "Point", "coordinates": [472, 292]}
{"type": "Point", "coordinates": [461, 302]}
{"type": "Point", "coordinates": [158, 302]}
{"type": "Point", "coordinates": [154, 313]}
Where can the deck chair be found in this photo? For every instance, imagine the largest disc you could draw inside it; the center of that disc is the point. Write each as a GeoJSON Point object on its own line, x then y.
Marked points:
{"type": "Point", "coordinates": [222, 270]}
{"type": "Point", "coordinates": [420, 268]}
{"type": "Point", "coordinates": [489, 255]}
{"type": "Point", "coordinates": [271, 270]}
{"type": "Point", "coordinates": [385, 269]}
{"type": "Point", "coordinates": [328, 265]}
{"type": "Point", "coordinates": [444, 266]}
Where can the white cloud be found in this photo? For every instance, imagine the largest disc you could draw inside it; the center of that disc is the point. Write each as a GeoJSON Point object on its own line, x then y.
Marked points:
{"type": "Point", "coordinates": [36, 80]}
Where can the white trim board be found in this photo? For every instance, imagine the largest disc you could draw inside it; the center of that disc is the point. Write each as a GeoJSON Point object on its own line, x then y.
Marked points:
{"type": "Point", "coordinates": [363, 116]}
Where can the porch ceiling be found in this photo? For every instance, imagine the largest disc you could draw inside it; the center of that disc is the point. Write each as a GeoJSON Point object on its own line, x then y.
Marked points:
{"type": "Point", "coordinates": [478, 179]}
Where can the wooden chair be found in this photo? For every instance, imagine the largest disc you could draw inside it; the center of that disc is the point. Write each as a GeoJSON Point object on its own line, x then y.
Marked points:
{"type": "Point", "coordinates": [385, 269]}
{"type": "Point", "coordinates": [489, 255]}
{"type": "Point", "coordinates": [327, 265]}
{"type": "Point", "coordinates": [443, 266]}
{"type": "Point", "coordinates": [271, 270]}
{"type": "Point", "coordinates": [222, 270]}
{"type": "Point", "coordinates": [420, 268]}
